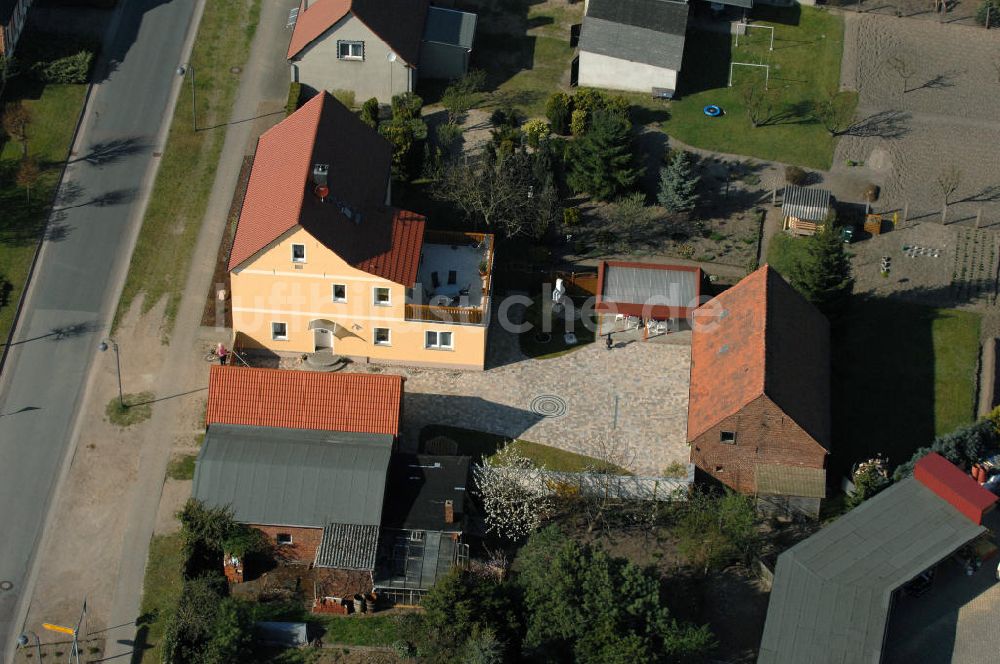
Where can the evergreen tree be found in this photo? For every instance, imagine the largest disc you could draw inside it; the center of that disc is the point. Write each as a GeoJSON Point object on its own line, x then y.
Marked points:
{"type": "Point", "coordinates": [602, 163]}
{"type": "Point", "coordinates": [677, 184]}
{"type": "Point", "coordinates": [823, 275]}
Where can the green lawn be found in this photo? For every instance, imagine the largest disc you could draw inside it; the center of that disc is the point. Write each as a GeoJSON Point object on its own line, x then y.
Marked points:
{"type": "Point", "coordinates": [804, 68]}
{"type": "Point", "coordinates": [545, 340]}
{"type": "Point", "coordinates": [902, 374]}
{"type": "Point", "coordinates": [173, 219]}
{"type": "Point", "coordinates": [160, 593]}
{"type": "Point", "coordinates": [479, 444]}
{"type": "Point", "coordinates": [54, 116]}
{"type": "Point", "coordinates": [374, 630]}
{"type": "Point", "coordinates": [182, 467]}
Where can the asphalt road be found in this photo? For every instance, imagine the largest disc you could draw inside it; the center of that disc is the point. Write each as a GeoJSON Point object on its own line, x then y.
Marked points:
{"type": "Point", "coordinates": [76, 282]}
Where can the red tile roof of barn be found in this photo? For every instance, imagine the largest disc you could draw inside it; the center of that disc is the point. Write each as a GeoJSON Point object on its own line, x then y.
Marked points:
{"type": "Point", "coordinates": [280, 194]}
{"type": "Point", "coordinates": [363, 403]}
{"type": "Point", "coordinates": [760, 337]}
{"type": "Point", "coordinates": [955, 487]}
{"type": "Point", "coordinates": [399, 23]}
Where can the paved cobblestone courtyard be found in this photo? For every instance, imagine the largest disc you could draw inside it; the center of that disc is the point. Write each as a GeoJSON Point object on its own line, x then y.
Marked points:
{"type": "Point", "coordinates": [636, 392]}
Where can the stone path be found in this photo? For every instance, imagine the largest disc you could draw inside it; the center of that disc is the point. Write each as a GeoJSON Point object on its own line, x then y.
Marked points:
{"type": "Point", "coordinates": [636, 393]}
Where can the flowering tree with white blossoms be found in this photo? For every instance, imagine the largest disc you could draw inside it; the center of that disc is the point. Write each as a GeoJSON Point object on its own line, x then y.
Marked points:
{"type": "Point", "coordinates": [514, 491]}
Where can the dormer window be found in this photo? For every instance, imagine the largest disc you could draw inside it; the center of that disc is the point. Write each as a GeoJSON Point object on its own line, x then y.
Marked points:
{"type": "Point", "coordinates": [351, 50]}
{"type": "Point", "coordinates": [298, 253]}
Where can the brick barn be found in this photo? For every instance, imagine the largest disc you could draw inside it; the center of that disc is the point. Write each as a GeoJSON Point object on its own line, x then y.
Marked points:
{"type": "Point", "coordinates": [759, 398]}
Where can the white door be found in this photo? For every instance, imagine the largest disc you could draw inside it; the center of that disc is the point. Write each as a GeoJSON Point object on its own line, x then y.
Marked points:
{"type": "Point", "coordinates": [323, 339]}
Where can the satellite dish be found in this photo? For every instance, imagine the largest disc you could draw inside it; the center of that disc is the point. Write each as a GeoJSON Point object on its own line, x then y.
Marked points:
{"type": "Point", "coordinates": [391, 57]}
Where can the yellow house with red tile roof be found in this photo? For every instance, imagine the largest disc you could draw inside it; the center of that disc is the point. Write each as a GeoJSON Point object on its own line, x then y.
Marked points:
{"type": "Point", "coordinates": [322, 263]}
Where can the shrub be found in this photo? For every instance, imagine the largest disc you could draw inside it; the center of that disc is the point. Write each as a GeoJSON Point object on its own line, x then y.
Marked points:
{"type": "Point", "coordinates": [558, 110]}
{"type": "Point", "coordinates": [460, 96]}
{"type": "Point", "coordinates": [991, 7]}
{"type": "Point", "coordinates": [869, 478]}
{"type": "Point", "coordinates": [72, 69]}
{"type": "Point", "coordinates": [963, 447]}
{"type": "Point", "coordinates": [345, 97]}
{"type": "Point", "coordinates": [578, 122]}
{"type": "Point", "coordinates": [370, 113]}
{"type": "Point", "coordinates": [294, 95]}
{"type": "Point", "coordinates": [505, 117]}
{"type": "Point", "coordinates": [589, 99]}
{"type": "Point", "coordinates": [536, 131]}
{"type": "Point", "coordinates": [406, 106]}
{"type": "Point", "coordinates": [448, 136]}
{"type": "Point", "coordinates": [795, 175]}
{"type": "Point", "coordinates": [571, 216]}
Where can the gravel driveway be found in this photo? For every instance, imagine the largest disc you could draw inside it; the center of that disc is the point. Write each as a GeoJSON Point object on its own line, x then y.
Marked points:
{"type": "Point", "coordinates": [947, 116]}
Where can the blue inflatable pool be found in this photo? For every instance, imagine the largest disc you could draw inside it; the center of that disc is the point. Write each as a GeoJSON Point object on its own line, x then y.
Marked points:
{"type": "Point", "coordinates": [712, 111]}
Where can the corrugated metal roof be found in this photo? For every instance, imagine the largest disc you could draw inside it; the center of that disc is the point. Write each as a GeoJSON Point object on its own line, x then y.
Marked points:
{"type": "Point", "coordinates": [832, 593]}
{"type": "Point", "coordinates": [449, 26]}
{"type": "Point", "coordinates": [348, 546]}
{"type": "Point", "coordinates": [783, 480]}
{"type": "Point", "coordinates": [650, 286]}
{"type": "Point", "coordinates": [805, 203]}
{"type": "Point", "coordinates": [647, 31]}
{"type": "Point", "coordinates": [293, 477]}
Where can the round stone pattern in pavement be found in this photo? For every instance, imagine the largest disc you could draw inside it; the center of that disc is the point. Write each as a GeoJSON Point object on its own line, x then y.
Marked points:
{"type": "Point", "coordinates": [548, 405]}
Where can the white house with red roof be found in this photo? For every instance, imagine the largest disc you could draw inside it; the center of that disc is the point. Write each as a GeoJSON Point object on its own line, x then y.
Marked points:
{"type": "Point", "coordinates": [376, 48]}
{"type": "Point", "coordinates": [322, 264]}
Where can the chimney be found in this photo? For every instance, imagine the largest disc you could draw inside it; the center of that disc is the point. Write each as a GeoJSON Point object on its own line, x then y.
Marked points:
{"type": "Point", "coordinates": [449, 511]}
{"type": "Point", "coordinates": [320, 172]}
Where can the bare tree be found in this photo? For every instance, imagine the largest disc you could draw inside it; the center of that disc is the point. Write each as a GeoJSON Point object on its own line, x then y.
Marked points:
{"type": "Point", "coordinates": [613, 455]}
{"type": "Point", "coordinates": [16, 119]}
{"type": "Point", "coordinates": [27, 175]}
{"type": "Point", "coordinates": [903, 69]}
{"type": "Point", "coordinates": [835, 111]}
{"type": "Point", "coordinates": [501, 192]}
{"type": "Point", "coordinates": [758, 104]}
{"type": "Point", "coordinates": [948, 181]}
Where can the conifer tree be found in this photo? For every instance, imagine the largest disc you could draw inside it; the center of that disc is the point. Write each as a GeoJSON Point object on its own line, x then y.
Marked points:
{"type": "Point", "coordinates": [601, 160]}
{"type": "Point", "coordinates": [677, 184]}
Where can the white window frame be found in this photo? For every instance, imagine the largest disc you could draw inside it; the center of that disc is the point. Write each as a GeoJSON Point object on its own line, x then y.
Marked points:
{"type": "Point", "coordinates": [388, 300]}
{"type": "Point", "coordinates": [274, 335]}
{"type": "Point", "coordinates": [277, 539]}
{"type": "Point", "coordinates": [350, 44]}
{"type": "Point", "coordinates": [333, 293]}
{"type": "Point", "coordinates": [437, 345]}
{"type": "Point", "coordinates": [388, 336]}
{"type": "Point", "coordinates": [299, 260]}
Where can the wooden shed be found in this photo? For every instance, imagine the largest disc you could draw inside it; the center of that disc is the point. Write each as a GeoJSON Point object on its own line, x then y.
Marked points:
{"type": "Point", "coordinates": [804, 210]}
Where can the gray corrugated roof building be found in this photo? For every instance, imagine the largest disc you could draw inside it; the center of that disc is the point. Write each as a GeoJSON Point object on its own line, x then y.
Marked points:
{"type": "Point", "coordinates": [348, 546]}
{"type": "Point", "coordinates": [647, 31]}
{"type": "Point", "coordinates": [293, 477]}
{"type": "Point", "coordinates": [832, 593]}
{"type": "Point", "coordinates": [449, 26]}
{"type": "Point", "coordinates": [651, 285]}
{"type": "Point", "coordinates": [805, 203]}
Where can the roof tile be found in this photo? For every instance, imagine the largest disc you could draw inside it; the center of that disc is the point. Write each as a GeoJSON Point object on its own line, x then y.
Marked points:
{"type": "Point", "coordinates": [760, 337]}
{"type": "Point", "coordinates": [400, 23]}
{"type": "Point", "coordinates": [360, 403]}
{"type": "Point", "coordinates": [379, 239]}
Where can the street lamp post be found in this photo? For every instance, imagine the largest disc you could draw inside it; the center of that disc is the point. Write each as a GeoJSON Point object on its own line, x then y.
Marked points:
{"type": "Point", "coordinates": [22, 642]}
{"type": "Point", "coordinates": [181, 71]}
{"type": "Point", "coordinates": [103, 346]}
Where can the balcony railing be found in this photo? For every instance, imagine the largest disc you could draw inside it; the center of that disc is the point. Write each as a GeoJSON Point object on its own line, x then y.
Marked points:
{"type": "Point", "coordinates": [452, 315]}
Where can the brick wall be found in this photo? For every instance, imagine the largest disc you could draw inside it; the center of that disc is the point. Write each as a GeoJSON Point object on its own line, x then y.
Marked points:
{"type": "Point", "coordinates": [764, 434]}
{"type": "Point", "coordinates": [305, 541]}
